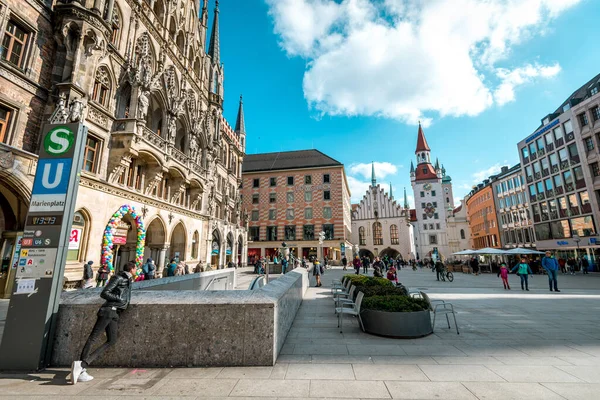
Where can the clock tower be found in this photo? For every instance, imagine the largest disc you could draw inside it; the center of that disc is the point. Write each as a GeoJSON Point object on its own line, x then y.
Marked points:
{"type": "Point", "coordinates": [433, 202]}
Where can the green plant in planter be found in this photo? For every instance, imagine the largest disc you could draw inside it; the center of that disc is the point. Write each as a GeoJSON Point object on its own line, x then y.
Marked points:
{"type": "Point", "coordinates": [362, 280]}
{"type": "Point", "coordinates": [394, 303]}
{"type": "Point", "coordinates": [381, 291]}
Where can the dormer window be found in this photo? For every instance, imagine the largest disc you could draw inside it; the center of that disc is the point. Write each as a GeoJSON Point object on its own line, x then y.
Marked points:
{"type": "Point", "coordinates": [594, 90]}
{"type": "Point", "coordinates": [424, 170]}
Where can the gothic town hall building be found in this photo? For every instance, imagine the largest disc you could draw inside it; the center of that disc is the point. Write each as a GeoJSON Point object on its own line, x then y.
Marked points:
{"type": "Point", "coordinates": [152, 92]}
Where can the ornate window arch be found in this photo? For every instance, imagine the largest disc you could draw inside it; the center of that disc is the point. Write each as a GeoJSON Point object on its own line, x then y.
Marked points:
{"type": "Point", "coordinates": [102, 87]}
{"type": "Point", "coordinates": [377, 234]}
{"type": "Point", "coordinates": [394, 234]}
{"type": "Point", "coordinates": [195, 243]}
{"type": "Point", "coordinates": [180, 42]}
{"type": "Point", "coordinates": [361, 236]}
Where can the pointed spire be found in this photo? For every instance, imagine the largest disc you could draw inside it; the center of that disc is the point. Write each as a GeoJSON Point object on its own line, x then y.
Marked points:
{"type": "Point", "coordinates": [405, 199]}
{"type": "Point", "coordinates": [437, 164]}
{"type": "Point", "coordinates": [421, 141]}
{"type": "Point", "coordinates": [412, 168]}
{"type": "Point", "coordinates": [240, 126]}
{"type": "Point", "coordinates": [373, 180]}
{"type": "Point", "coordinates": [213, 48]}
{"type": "Point", "coordinates": [391, 195]}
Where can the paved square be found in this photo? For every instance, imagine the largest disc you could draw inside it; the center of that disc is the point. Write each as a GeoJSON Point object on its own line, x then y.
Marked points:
{"type": "Point", "coordinates": [512, 345]}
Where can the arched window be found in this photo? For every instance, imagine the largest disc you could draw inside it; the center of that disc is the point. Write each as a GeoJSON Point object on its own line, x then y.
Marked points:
{"type": "Point", "coordinates": [197, 66]}
{"type": "Point", "coordinates": [78, 238]}
{"type": "Point", "coordinates": [394, 234]}
{"type": "Point", "coordinates": [448, 200]}
{"type": "Point", "coordinates": [101, 93]}
{"type": "Point", "coordinates": [159, 10]}
{"type": "Point", "coordinates": [195, 243]}
{"type": "Point", "coordinates": [180, 41]}
{"type": "Point", "coordinates": [361, 236]}
{"type": "Point", "coordinates": [377, 234]}
{"type": "Point", "coordinates": [116, 27]}
{"type": "Point", "coordinates": [462, 233]}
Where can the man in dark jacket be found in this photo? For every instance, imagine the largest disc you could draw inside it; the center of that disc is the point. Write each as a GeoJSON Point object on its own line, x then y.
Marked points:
{"type": "Point", "coordinates": [378, 268]}
{"type": "Point", "coordinates": [117, 294]}
{"type": "Point", "coordinates": [439, 270]}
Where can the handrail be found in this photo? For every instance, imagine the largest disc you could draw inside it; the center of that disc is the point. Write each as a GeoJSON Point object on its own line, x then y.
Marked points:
{"type": "Point", "coordinates": [213, 280]}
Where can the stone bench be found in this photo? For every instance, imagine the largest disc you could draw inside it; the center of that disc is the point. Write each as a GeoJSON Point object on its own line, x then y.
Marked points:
{"type": "Point", "coordinates": [187, 327]}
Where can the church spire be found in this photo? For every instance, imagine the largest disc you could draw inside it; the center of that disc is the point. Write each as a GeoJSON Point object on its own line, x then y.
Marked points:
{"type": "Point", "coordinates": [421, 141]}
{"type": "Point", "coordinates": [391, 195]}
{"type": "Point", "coordinates": [405, 199]}
{"type": "Point", "coordinates": [437, 164]}
{"type": "Point", "coordinates": [412, 167]}
{"type": "Point", "coordinates": [373, 180]}
{"type": "Point", "coordinates": [213, 48]}
{"type": "Point", "coordinates": [240, 126]}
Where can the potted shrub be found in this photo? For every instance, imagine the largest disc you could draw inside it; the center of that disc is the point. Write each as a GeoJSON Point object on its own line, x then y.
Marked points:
{"type": "Point", "coordinates": [387, 310]}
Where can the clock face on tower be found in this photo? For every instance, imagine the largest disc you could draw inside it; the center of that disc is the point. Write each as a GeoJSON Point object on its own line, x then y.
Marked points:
{"type": "Point", "coordinates": [427, 187]}
{"type": "Point", "coordinates": [446, 190]}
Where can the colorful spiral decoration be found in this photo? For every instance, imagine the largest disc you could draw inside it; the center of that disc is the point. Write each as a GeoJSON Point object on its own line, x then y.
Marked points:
{"type": "Point", "coordinates": [107, 240]}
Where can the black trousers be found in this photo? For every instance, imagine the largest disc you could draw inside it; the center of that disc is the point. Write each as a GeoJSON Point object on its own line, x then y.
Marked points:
{"type": "Point", "coordinates": [107, 321]}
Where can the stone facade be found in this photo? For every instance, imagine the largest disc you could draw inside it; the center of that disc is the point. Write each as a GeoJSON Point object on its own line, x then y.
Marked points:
{"type": "Point", "coordinates": [381, 227]}
{"type": "Point", "coordinates": [157, 138]}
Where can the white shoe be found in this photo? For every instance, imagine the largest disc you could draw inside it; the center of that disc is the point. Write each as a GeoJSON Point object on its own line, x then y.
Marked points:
{"type": "Point", "coordinates": [76, 370]}
{"type": "Point", "coordinates": [84, 377]}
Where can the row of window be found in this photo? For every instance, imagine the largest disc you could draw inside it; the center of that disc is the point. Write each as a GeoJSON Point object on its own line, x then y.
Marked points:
{"type": "Point", "coordinates": [378, 235]}
{"type": "Point", "coordinates": [485, 225]}
{"type": "Point", "coordinates": [519, 198]}
{"type": "Point", "coordinates": [290, 181]}
{"type": "Point", "coordinates": [553, 186]}
{"type": "Point", "coordinates": [432, 193]}
{"type": "Point", "coordinates": [482, 212]}
{"type": "Point", "coordinates": [435, 216]}
{"type": "Point", "coordinates": [290, 214]}
{"type": "Point", "coordinates": [289, 232]}
{"type": "Point", "coordinates": [518, 217]}
{"type": "Point", "coordinates": [480, 199]}
{"type": "Point", "coordinates": [583, 118]}
{"type": "Point", "coordinates": [509, 184]}
{"type": "Point", "coordinates": [547, 142]}
{"type": "Point", "coordinates": [431, 226]}
{"type": "Point", "coordinates": [562, 207]}
{"type": "Point", "coordinates": [308, 197]}
{"type": "Point", "coordinates": [486, 241]}
{"type": "Point", "coordinates": [518, 236]}
{"type": "Point", "coordinates": [566, 228]}
{"type": "Point", "coordinates": [553, 163]}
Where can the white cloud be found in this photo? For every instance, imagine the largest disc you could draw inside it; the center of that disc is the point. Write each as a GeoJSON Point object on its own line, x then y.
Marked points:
{"type": "Point", "coordinates": [484, 174]}
{"type": "Point", "coordinates": [358, 188]}
{"type": "Point", "coordinates": [412, 59]}
{"type": "Point", "coordinates": [382, 169]}
{"type": "Point", "coordinates": [505, 92]}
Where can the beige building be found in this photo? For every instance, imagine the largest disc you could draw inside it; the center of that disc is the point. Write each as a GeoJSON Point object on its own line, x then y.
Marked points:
{"type": "Point", "coordinates": [157, 141]}
{"type": "Point", "coordinates": [458, 228]}
{"type": "Point", "coordinates": [380, 226]}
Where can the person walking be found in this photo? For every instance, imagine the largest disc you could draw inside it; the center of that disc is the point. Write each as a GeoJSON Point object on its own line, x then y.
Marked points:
{"type": "Point", "coordinates": [562, 263]}
{"type": "Point", "coordinates": [377, 268]}
{"type": "Point", "coordinates": [149, 269]}
{"type": "Point", "coordinates": [88, 276]}
{"type": "Point", "coordinates": [356, 262]}
{"type": "Point", "coordinates": [550, 264]}
{"type": "Point", "coordinates": [365, 263]}
{"type": "Point", "coordinates": [523, 270]}
{"type": "Point", "coordinates": [101, 276]}
{"type": "Point", "coordinates": [171, 268]}
{"type": "Point", "coordinates": [584, 265]}
{"type": "Point", "coordinates": [284, 264]}
{"type": "Point", "coordinates": [117, 294]}
{"type": "Point", "coordinates": [503, 272]}
{"type": "Point", "coordinates": [571, 264]}
{"type": "Point", "coordinates": [344, 262]}
{"type": "Point", "coordinates": [475, 266]}
{"type": "Point", "coordinates": [317, 272]}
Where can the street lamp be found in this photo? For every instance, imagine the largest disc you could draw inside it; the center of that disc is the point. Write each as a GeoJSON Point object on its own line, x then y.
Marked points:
{"type": "Point", "coordinates": [321, 240]}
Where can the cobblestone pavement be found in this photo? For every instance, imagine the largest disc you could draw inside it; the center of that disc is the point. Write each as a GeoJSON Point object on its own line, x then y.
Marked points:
{"type": "Point", "coordinates": [513, 345]}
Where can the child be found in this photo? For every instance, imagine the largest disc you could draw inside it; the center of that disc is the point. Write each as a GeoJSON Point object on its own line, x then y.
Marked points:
{"type": "Point", "coordinates": [392, 275]}
{"type": "Point", "coordinates": [504, 274]}
{"type": "Point", "coordinates": [523, 271]}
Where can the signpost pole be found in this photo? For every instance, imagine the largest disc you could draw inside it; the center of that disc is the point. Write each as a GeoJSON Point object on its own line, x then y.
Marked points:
{"type": "Point", "coordinates": [31, 319]}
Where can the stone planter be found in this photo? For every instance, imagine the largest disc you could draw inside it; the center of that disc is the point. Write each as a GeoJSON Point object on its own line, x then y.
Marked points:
{"type": "Point", "coordinates": [404, 325]}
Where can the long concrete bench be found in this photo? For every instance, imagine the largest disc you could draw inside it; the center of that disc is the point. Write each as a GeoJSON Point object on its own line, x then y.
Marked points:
{"type": "Point", "coordinates": [186, 327]}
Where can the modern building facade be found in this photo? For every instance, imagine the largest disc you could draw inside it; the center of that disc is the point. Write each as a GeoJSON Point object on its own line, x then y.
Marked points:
{"type": "Point", "coordinates": [380, 226]}
{"type": "Point", "coordinates": [560, 164]}
{"type": "Point", "coordinates": [481, 214]}
{"type": "Point", "coordinates": [141, 78]}
{"type": "Point", "coordinates": [433, 196]}
{"type": "Point", "coordinates": [293, 196]}
{"type": "Point", "coordinates": [512, 208]}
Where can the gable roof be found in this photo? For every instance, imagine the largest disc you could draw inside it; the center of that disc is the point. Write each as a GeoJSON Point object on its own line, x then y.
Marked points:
{"type": "Point", "coordinates": [284, 160]}
{"type": "Point", "coordinates": [424, 172]}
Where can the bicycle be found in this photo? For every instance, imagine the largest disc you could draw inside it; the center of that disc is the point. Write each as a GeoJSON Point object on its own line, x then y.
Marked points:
{"type": "Point", "coordinates": [447, 275]}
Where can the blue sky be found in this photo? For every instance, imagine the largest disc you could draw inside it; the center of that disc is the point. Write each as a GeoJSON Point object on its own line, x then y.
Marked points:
{"type": "Point", "coordinates": [352, 78]}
